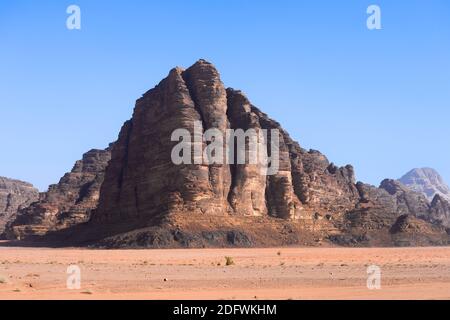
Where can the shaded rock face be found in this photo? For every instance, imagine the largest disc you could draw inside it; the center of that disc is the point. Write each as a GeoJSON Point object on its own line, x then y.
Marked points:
{"type": "Point", "coordinates": [382, 206]}
{"type": "Point", "coordinates": [411, 231]}
{"type": "Point", "coordinates": [65, 204]}
{"type": "Point", "coordinates": [427, 181]}
{"type": "Point", "coordinates": [141, 181]}
{"type": "Point", "coordinates": [379, 210]}
{"type": "Point", "coordinates": [440, 211]}
{"type": "Point", "coordinates": [14, 195]}
{"type": "Point", "coordinates": [412, 203]}
{"type": "Point", "coordinates": [407, 201]}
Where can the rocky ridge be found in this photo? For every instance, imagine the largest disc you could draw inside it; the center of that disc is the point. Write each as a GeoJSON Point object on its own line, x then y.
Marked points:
{"type": "Point", "coordinates": [14, 195]}
{"type": "Point", "coordinates": [146, 200]}
{"type": "Point", "coordinates": [68, 203]}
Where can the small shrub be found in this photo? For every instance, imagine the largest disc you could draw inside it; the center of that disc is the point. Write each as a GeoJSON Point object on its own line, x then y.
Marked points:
{"type": "Point", "coordinates": [229, 261]}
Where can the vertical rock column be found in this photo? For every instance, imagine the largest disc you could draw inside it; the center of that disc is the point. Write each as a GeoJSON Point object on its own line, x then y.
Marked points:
{"type": "Point", "coordinates": [210, 99]}
{"type": "Point", "coordinates": [248, 188]}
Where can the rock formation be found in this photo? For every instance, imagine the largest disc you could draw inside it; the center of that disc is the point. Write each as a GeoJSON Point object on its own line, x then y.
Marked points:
{"type": "Point", "coordinates": [380, 209]}
{"type": "Point", "coordinates": [141, 180]}
{"type": "Point", "coordinates": [14, 195]}
{"type": "Point", "coordinates": [65, 204]}
{"type": "Point", "coordinates": [440, 211]}
{"type": "Point", "coordinates": [407, 201]}
{"type": "Point", "coordinates": [411, 231]}
{"type": "Point", "coordinates": [148, 200]}
{"type": "Point", "coordinates": [309, 200]}
{"type": "Point", "coordinates": [427, 181]}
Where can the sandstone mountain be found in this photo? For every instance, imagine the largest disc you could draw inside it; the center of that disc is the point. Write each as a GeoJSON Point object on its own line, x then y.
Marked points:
{"type": "Point", "coordinates": [14, 195]}
{"type": "Point", "coordinates": [427, 181]}
{"type": "Point", "coordinates": [146, 200]}
{"type": "Point", "coordinates": [65, 204]}
{"type": "Point", "coordinates": [142, 182]}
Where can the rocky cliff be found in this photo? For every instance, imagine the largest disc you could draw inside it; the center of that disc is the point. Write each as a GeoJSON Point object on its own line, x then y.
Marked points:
{"type": "Point", "coordinates": [440, 211]}
{"type": "Point", "coordinates": [14, 195]}
{"type": "Point", "coordinates": [65, 204]}
{"type": "Point", "coordinates": [142, 181]}
{"type": "Point", "coordinates": [379, 210]}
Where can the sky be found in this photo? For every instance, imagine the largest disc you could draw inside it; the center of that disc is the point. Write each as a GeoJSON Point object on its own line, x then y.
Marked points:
{"type": "Point", "coordinates": [377, 99]}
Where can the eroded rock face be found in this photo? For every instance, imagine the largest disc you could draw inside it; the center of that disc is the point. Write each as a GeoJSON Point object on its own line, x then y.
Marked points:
{"type": "Point", "coordinates": [65, 204]}
{"type": "Point", "coordinates": [248, 188]}
{"type": "Point", "coordinates": [415, 204]}
{"type": "Point", "coordinates": [14, 195]}
{"type": "Point", "coordinates": [440, 211]}
{"type": "Point", "coordinates": [391, 200]}
{"type": "Point", "coordinates": [408, 201]}
{"type": "Point", "coordinates": [386, 215]}
{"type": "Point", "coordinates": [411, 231]}
{"type": "Point", "coordinates": [142, 182]}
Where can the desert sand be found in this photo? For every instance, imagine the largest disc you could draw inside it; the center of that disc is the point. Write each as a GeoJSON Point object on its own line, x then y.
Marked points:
{"type": "Point", "coordinates": [274, 273]}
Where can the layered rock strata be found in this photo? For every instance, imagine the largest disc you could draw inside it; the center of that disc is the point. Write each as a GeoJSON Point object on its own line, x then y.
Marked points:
{"type": "Point", "coordinates": [68, 203]}
{"type": "Point", "coordinates": [14, 196]}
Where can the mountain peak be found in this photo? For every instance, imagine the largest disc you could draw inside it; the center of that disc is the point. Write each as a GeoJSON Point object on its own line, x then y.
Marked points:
{"type": "Point", "coordinates": [427, 181]}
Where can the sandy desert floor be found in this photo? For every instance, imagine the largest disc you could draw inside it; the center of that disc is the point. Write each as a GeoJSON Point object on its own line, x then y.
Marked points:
{"type": "Point", "coordinates": [276, 273]}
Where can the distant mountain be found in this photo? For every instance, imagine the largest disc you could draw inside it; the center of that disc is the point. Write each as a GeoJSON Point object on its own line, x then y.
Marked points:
{"type": "Point", "coordinates": [427, 181]}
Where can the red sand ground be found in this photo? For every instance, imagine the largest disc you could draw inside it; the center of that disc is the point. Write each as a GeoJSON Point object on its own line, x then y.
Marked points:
{"type": "Point", "coordinates": [275, 273]}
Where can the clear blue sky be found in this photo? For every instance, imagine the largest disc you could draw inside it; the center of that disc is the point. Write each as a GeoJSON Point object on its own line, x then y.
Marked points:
{"type": "Point", "coordinates": [379, 100]}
